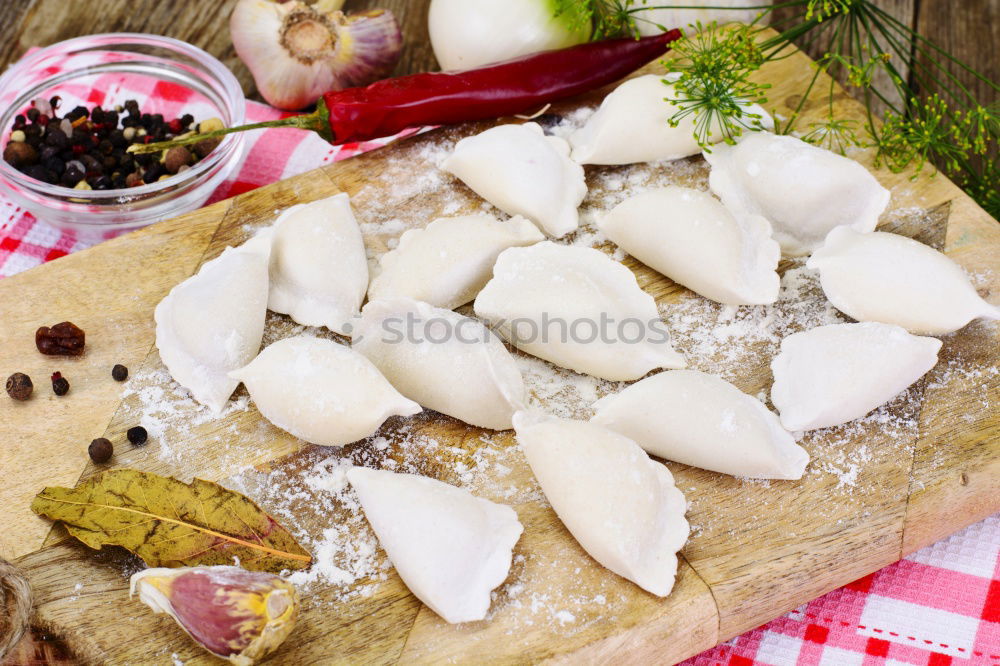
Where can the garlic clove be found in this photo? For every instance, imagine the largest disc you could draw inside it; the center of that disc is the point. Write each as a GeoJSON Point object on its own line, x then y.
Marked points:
{"type": "Point", "coordinates": [233, 613]}
{"type": "Point", "coordinates": [297, 51]}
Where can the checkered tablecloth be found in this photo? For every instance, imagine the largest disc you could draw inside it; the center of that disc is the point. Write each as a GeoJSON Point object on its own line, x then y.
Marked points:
{"type": "Point", "coordinates": [939, 606]}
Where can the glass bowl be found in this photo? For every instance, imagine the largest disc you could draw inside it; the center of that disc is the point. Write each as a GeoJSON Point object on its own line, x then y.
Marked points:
{"type": "Point", "coordinates": [163, 75]}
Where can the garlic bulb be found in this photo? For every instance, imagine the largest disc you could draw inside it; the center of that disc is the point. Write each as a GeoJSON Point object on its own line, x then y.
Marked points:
{"type": "Point", "coordinates": [235, 614]}
{"type": "Point", "coordinates": [651, 21]}
{"type": "Point", "coordinates": [297, 51]}
{"type": "Point", "coordinates": [471, 33]}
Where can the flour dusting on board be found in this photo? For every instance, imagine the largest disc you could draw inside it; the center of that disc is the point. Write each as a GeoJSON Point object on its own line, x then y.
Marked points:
{"type": "Point", "coordinates": [307, 490]}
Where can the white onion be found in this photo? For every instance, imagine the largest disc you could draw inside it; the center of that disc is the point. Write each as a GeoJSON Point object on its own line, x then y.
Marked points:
{"type": "Point", "coordinates": [471, 33]}
{"type": "Point", "coordinates": [649, 20]}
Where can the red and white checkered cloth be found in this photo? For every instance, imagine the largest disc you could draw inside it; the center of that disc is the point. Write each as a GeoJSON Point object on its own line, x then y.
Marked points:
{"type": "Point", "coordinates": [939, 606]}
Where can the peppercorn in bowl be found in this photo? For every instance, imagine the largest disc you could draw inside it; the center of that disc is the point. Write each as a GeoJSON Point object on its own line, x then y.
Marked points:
{"type": "Point", "coordinates": [69, 112]}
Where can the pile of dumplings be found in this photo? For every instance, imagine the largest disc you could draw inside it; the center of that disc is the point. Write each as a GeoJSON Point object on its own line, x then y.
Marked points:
{"type": "Point", "coordinates": [452, 548]}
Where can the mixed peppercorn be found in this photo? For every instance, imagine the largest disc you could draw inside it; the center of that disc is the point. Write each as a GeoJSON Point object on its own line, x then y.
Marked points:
{"type": "Point", "coordinates": [68, 339]}
{"type": "Point", "coordinates": [88, 148]}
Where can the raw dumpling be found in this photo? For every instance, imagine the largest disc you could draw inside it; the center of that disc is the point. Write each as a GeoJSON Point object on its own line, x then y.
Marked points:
{"type": "Point", "coordinates": [837, 373]}
{"type": "Point", "coordinates": [522, 172]}
{"type": "Point", "coordinates": [692, 239]}
{"type": "Point", "coordinates": [443, 360]}
{"type": "Point", "coordinates": [450, 547]}
{"type": "Point", "coordinates": [804, 191]}
{"type": "Point", "coordinates": [578, 308]}
{"type": "Point", "coordinates": [622, 507]}
{"type": "Point", "coordinates": [897, 280]}
{"type": "Point", "coordinates": [450, 260]}
{"type": "Point", "coordinates": [319, 271]}
{"type": "Point", "coordinates": [698, 419]}
{"type": "Point", "coordinates": [632, 125]}
{"type": "Point", "coordinates": [213, 322]}
{"type": "Point", "coordinates": [321, 391]}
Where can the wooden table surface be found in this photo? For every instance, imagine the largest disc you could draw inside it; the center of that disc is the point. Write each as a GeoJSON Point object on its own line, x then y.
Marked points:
{"type": "Point", "coordinates": [969, 30]}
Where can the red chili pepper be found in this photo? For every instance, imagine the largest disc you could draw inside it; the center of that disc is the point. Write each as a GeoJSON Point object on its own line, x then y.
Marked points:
{"type": "Point", "coordinates": [517, 86]}
{"type": "Point", "coordinates": [442, 98]}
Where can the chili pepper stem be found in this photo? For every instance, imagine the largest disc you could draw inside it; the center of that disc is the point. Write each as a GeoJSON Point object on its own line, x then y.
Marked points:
{"type": "Point", "coordinates": [315, 121]}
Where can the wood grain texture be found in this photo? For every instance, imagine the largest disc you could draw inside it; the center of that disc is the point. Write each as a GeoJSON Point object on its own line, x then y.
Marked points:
{"type": "Point", "coordinates": [49, 435]}
{"type": "Point", "coordinates": [759, 550]}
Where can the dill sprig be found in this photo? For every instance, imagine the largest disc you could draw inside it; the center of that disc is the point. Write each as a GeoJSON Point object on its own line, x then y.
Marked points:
{"type": "Point", "coordinates": [929, 117]}
{"type": "Point", "coordinates": [714, 84]}
{"type": "Point", "coordinates": [605, 18]}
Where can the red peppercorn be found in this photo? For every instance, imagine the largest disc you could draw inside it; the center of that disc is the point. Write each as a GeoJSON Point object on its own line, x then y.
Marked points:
{"type": "Point", "coordinates": [60, 385]}
{"type": "Point", "coordinates": [175, 125]}
{"type": "Point", "coordinates": [78, 149]}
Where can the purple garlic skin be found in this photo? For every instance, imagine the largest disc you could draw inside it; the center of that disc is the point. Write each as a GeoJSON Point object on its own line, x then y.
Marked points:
{"type": "Point", "coordinates": [235, 614]}
{"type": "Point", "coordinates": [298, 51]}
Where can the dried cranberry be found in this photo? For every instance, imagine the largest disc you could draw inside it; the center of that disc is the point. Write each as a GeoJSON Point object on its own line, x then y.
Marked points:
{"type": "Point", "coordinates": [63, 339]}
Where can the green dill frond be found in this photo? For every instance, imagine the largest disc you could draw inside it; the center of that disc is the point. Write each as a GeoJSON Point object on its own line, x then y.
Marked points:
{"type": "Point", "coordinates": [712, 69]}
{"type": "Point", "coordinates": [834, 134]}
{"type": "Point", "coordinates": [820, 10]}
{"type": "Point", "coordinates": [927, 133]}
{"type": "Point", "coordinates": [604, 18]}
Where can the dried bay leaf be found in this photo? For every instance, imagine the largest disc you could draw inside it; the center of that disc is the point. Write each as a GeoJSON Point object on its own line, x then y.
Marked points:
{"type": "Point", "coordinates": [169, 523]}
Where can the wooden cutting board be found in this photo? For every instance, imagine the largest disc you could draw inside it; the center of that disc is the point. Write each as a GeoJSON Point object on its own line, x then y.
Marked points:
{"type": "Point", "coordinates": [876, 490]}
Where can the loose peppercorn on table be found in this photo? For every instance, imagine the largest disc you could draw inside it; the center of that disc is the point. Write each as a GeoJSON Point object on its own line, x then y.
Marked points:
{"type": "Point", "coordinates": [929, 463]}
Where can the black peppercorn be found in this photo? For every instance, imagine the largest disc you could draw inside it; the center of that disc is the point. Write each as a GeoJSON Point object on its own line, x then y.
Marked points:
{"type": "Point", "coordinates": [100, 450]}
{"type": "Point", "coordinates": [55, 165]}
{"type": "Point", "coordinates": [19, 386]}
{"type": "Point", "coordinates": [56, 138]}
{"type": "Point", "coordinates": [71, 176]}
{"type": "Point", "coordinates": [137, 435]}
{"type": "Point", "coordinates": [38, 172]}
{"type": "Point", "coordinates": [60, 386]}
{"type": "Point", "coordinates": [153, 173]}
{"type": "Point", "coordinates": [117, 139]}
{"type": "Point", "coordinates": [119, 372]}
